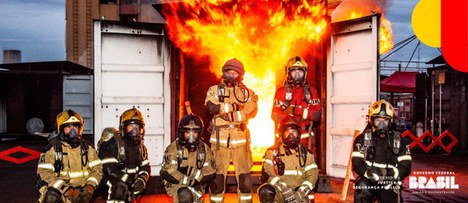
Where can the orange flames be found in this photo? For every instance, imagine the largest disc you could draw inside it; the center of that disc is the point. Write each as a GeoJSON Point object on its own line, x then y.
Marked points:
{"type": "Point", "coordinates": [261, 34]}
{"type": "Point", "coordinates": [349, 9]}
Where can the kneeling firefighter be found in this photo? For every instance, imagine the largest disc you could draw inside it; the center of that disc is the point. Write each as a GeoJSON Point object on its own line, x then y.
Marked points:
{"type": "Point", "coordinates": [69, 170]}
{"type": "Point", "coordinates": [381, 158]}
{"type": "Point", "coordinates": [289, 169]}
{"type": "Point", "coordinates": [188, 165]}
{"type": "Point", "coordinates": [125, 158]}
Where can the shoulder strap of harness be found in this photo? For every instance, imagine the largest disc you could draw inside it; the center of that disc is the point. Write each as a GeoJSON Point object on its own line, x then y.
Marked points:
{"type": "Point", "coordinates": [84, 153]}
{"type": "Point", "coordinates": [120, 147]}
{"type": "Point", "coordinates": [302, 150]}
{"type": "Point", "coordinates": [307, 93]}
{"type": "Point", "coordinates": [368, 147]}
{"type": "Point", "coordinates": [58, 164]}
{"type": "Point", "coordinates": [287, 95]}
{"type": "Point", "coordinates": [143, 152]}
{"type": "Point", "coordinates": [396, 141]}
{"type": "Point", "coordinates": [201, 155]}
{"type": "Point", "coordinates": [221, 92]}
{"type": "Point", "coordinates": [180, 154]}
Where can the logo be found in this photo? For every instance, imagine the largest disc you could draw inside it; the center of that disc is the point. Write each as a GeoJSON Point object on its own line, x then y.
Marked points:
{"type": "Point", "coordinates": [433, 181]}
{"type": "Point", "coordinates": [443, 24]}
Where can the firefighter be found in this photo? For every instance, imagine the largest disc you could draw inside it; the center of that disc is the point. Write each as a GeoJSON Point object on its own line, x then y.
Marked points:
{"type": "Point", "coordinates": [296, 98]}
{"type": "Point", "coordinates": [69, 170]}
{"type": "Point", "coordinates": [125, 158]}
{"type": "Point", "coordinates": [380, 158]}
{"type": "Point", "coordinates": [232, 105]}
{"type": "Point", "coordinates": [188, 165]}
{"type": "Point", "coordinates": [289, 168]}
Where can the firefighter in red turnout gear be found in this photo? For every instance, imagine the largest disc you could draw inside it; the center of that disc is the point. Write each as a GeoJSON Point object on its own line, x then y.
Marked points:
{"type": "Point", "coordinates": [296, 98]}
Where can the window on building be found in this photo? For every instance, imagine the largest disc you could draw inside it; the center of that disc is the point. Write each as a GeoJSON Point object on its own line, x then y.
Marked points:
{"type": "Point", "coordinates": [128, 18]}
{"type": "Point", "coordinates": [107, 1]}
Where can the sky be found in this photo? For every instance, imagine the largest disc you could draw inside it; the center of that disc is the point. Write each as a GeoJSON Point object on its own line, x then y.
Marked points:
{"type": "Point", "coordinates": [37, 28]}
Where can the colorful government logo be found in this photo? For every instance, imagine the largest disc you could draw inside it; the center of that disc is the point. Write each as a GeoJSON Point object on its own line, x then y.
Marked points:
{"type": "Point", "coordinates": [444, 24]}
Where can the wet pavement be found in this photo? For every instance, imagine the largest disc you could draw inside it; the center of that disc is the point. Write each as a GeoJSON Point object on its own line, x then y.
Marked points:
{"type": "Point", "coordinates": [18, 180]}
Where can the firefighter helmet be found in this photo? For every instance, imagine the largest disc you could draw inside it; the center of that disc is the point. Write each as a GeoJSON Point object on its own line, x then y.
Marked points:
{"type": "Point", "coordinates": [381, 109]}
{"type": "Point", "coordinates": [379, 116]}
{"type": "Point", "coordinates": [290, 132]}
{"type": "Point", "coordinates": [236, 65]}
{"type": "Point", "coordinates": [190, 122]}
{"type": "Point", "coordinates": [132, 116]}
{"type": "Point", "coordinates": [69, 117]}
{"type": "Point", "coordinates": [296, 63]}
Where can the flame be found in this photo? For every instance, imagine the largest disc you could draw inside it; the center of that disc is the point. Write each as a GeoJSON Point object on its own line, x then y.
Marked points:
{"type": "Point", "coordinates": [261, 34]}
{"type": "Point", "coordinates": [349, 9]}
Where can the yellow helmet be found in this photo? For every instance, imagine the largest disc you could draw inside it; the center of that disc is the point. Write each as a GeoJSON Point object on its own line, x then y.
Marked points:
{"type": "Point", "coordinates": [131, 116]}
{"type": "Point", "coordinates": [296, 63]}
{"type": "Point", "coordinates": [67, 117]}
{"type": "Point", "coordinates": [382, 109]}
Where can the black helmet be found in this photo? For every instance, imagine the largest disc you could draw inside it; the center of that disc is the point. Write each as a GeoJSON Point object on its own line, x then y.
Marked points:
{"type": "Point", "coordinates": [290, 140]}
{"type": "Point", "coordinates": [190, 123]}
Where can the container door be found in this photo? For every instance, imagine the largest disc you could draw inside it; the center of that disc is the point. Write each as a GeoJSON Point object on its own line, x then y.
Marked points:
{"type": "Point", "coordinates": [352, 85]}
{"type": "Point", "coordinates": [78, 96]}
{"type": "Point", "coordinates": [132, 70]}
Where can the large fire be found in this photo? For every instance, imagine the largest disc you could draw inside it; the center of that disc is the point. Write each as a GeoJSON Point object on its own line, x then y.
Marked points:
{"type": "Point", "coordinates": [261, 34]}
{"type": "Point", "coordinates": [350, 9]}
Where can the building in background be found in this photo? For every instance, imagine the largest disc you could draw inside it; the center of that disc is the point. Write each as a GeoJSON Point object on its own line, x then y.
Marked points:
{"type": "Point", "coordinates": [80, 15]}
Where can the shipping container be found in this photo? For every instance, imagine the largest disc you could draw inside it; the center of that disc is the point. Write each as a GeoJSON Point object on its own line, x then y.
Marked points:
{"type": "Point", "coordinates": [131, 69]}
{"type": "Point", "coordinates": [32, 94]}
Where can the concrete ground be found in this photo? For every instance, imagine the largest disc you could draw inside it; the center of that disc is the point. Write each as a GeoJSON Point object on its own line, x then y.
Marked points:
{"type": "Point", "coordinates": [18, 180]}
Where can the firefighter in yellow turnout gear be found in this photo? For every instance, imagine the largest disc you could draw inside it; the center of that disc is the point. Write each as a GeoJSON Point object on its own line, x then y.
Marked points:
{"type": "Point", "coordinates": [69, 170]}
{"type": "Point", "coordinates": [288, 167]}
{"type": "Point", "coordinates": [232, 105]}
{"type": "Point", "coordinates": [188, 165]}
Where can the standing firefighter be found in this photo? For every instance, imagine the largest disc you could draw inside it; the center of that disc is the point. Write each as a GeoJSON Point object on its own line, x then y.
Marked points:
{"type": "Point", "coordinates": [380, 157]}
{"type": "Point", "coordinates": [125, 158]}
{"type": "Point", "coordinates": [232, 105]}
{"type": "Point", "coordinates": [288, 167]}
{"type": "Point", "coordinates": [189, 164]}
{"type": "Point", "coordinates": [296, 98]}
{"type": "Point", "coordinates": [70, 169]}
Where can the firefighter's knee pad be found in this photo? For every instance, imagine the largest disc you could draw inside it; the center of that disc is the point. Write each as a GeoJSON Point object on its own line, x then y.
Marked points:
{"type": "Point", "coordinates": [217, 186]}
{"type": "Point", "coordinates": [245, 183]}
{"type": "Point", "coordinates": [266, 193]}
{"type": "Point", "coordinates": [185, 195]}
{"type": "Point", "coordinates": [119, 191]}
{"type": "Point", "coordinates": [362, 194]}
{"type": "Point", "coordinates": [52, 195]}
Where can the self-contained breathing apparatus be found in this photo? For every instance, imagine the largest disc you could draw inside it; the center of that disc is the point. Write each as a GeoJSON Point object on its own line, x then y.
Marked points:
{"type": "Point", "coordinates": [369, 146]}
{"type": "Point", "coordinates": [192, 124]}
{"type": "Point", "coordinates": [222, 94]}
